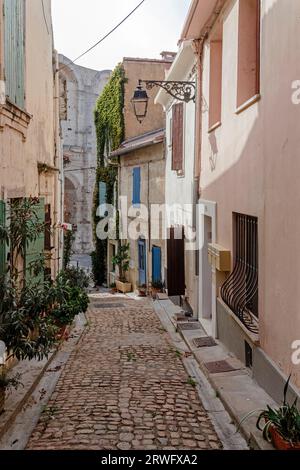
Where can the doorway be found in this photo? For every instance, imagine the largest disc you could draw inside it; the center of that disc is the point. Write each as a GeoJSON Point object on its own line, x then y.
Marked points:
{"type": "Point", "coordinates": [207, 232]}
{"type": "Point", "coordinates": [142, 262]}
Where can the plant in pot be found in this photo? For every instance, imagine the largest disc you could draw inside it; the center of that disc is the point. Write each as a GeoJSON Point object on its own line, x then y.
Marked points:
{"type": "Point", "coordinates": [6, 384]}
{"type": "Point", "coordinates": [142, 290]}
{"type": "Point", "coordinates": [280, 426]}
{"type": "Point", "coordinates": [156, 286]}
{"type": "Point", "coordinates": [113, 288]}
{"type": "Point", "coordinates": [121, 259]}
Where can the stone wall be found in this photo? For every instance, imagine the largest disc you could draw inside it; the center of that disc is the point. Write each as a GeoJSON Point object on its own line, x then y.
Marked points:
{"type": "Point", "coordinates": [79, 90]}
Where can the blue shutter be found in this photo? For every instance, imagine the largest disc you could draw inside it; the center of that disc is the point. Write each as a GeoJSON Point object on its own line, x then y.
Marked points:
{"type": "Point", "coordinates": [102, 198]}
{"type": "Point", "coordinates": [102, 193]}
{"type": "Point", "coordinates": [136, 193]}
{"type": "Point", "coordinates": [2, 243]}
{"type": "Point", "coordinates": [156, 264]}
{"type": "Point", "coordinates": [14, 39]}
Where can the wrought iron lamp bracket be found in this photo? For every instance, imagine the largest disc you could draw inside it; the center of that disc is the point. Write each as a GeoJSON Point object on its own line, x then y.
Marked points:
{"type": "Point", "coordinates": [180, 90]}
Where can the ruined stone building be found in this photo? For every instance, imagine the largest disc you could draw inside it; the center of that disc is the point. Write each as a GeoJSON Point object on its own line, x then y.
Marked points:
{"type": "Point", "coordinates": [79, 90]}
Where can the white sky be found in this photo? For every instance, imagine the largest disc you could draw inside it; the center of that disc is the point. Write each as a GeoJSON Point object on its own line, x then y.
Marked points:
{"type": "Point", "coordinates": [154, 27]}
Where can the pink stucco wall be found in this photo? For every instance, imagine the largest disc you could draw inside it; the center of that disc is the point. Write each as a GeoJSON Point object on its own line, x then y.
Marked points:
{"type": "Point", "coordinates": [251, 165]}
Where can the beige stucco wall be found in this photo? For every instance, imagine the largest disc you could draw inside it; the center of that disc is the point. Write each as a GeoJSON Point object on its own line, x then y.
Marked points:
{"type": "Point", "coordinates": [250, 165]}
{"type": "Point", "coordinates": [21, 148]}
{"type": "Point", "coordinates": [147, 69]}
{"type": "Point", "coordinates": [152, 163]}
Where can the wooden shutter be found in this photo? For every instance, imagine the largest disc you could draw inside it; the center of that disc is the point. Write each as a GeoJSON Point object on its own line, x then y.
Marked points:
{"type": "Point", "coordinates": [2, 243]}
{"type": "Point", "coordinates": [177, 137]}
{"type": "Point", "coordinates": [34, 250]}
{"type": "Point", "coordinates": [14, 41]}
{"type": "Point", "coordinates": [156, 264]}
{"type": "Point", "coordinates": [136, 192]}
{"type": "Point", "coordinates": [175, 261]}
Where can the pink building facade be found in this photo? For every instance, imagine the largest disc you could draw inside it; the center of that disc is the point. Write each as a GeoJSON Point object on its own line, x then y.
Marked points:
{"type": "Point", "coordinates": [247, 146]}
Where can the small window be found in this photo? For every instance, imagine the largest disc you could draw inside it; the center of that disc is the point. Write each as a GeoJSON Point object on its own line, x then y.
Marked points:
{"type": "Point", "coordinates": [215, 83]}
{"type": "Point", "coordinates": [177, 137]}
{"type": "Point", "coordinates": [248, 51]}
{"type": "Point", "coordinates": [136, 190]}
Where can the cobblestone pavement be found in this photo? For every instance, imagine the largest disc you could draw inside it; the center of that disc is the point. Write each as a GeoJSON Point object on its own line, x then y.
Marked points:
{"type": "Point", "coordinates": [124, 387]}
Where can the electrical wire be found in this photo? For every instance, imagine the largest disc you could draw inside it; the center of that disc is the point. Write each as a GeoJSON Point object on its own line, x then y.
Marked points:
{"type": "Point", "coordinates": [104, 37]}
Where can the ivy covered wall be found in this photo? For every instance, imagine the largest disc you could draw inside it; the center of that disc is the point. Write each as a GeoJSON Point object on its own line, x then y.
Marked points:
{"type": "Point", "coordinates": [109, 122]}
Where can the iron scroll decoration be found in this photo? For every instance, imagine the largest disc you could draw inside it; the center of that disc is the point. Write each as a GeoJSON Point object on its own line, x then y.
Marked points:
{"type": "Point", "coordinates": [180, 90]}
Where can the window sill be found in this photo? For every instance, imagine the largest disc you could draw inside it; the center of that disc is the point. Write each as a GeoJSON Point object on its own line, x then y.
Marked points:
{"type": "Point", "coordinates": [247, 104]}
{"type": "Point", "coordinates": [14, 117]}
{"type": "Point", "coordinates": [214, 127]}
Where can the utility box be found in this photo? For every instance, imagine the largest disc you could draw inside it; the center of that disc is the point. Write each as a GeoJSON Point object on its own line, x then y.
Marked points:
{"type": "Point", "coordinates": [219, 257]}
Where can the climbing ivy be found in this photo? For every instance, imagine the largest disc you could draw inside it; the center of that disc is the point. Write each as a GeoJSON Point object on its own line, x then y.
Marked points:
{"type": "Point", "coordinates": [109, 122]}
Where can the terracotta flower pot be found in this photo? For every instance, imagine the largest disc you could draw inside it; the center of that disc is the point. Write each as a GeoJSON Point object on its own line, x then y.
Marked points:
{"type": "Point", "coordinates": [280, 443]}
{"type": "Point", "coordinates": [2, 399]}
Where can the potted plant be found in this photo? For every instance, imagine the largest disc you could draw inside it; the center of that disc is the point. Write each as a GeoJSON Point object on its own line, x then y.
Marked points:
{"type": "Point", "coordinates": [280, 426]}
{"type": "Point", "coordinates": [113, 288]}
{"type": "Point", "coordinates": [7, 383]}
{"type": "Point", "coordinates": [156, 286]}
{"type": "Point", "coordinates": [142, 290]}
{"type": "Point", "coordinates": [122, 261]}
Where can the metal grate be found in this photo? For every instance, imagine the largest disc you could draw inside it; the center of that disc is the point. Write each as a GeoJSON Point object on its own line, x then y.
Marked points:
{"type": "Point", "coordinates": [218, 367]}
{"type": "Point", "coordinates": [240, 290]}
{"type": "Point", "coordinates": [204, 342]}
{"type": "Point", "coordinates": [192, 325]}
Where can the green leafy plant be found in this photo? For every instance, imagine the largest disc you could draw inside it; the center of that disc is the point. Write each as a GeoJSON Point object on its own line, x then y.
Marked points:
{"type": "Point", "coordinates": [286, 419]}
{"type": "Point", "coordinates": [192, 382]}
{"type": "Point", "coordinates": [7, 382]}
{"type": "Point", "coordinates": [69, 237]}
{"type": "Point", "coordinates": [77, 277]}
{"type": "Point", "coordinates": [68, 300]}
{"type": "Point", "coordinates": [122, 259]}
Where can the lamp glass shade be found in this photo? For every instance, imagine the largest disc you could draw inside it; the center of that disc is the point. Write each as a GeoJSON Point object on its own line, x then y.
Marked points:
{"type": "Point", "coordinates": [140, 103]}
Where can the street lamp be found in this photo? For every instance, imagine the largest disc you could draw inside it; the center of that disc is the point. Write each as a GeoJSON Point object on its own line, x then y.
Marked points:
{"type": "Point", "coordinates": [180, 90]}
{"type": "Point", "coordinates": [140, 102]}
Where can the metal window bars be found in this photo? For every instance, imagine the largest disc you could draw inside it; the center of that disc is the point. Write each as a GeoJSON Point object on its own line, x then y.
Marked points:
{"type": "Point", "coordinates": [240, 290]}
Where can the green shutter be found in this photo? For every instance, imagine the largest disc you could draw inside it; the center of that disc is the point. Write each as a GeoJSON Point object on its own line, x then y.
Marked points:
{"type": "Point", "coordinates": [102, 198]}
{"type": "Point", "coordinates": [35, 249]}
{"type": "Point", "coordinates": [2, 243]}
{"type": "Point", "coordinates": [14, 41]}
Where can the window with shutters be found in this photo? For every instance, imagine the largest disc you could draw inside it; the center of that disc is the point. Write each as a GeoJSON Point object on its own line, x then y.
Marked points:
{"type": "Point", "coordinates": [215, 78]}
{"type": "Point", "coordinates": [248, 51]}
{"type": "Point", "coordinates": [136, 186]}
{"type": "Point", "coordinates": [14, 51]}
{"type": "Point", "coordinates": [177, 137]}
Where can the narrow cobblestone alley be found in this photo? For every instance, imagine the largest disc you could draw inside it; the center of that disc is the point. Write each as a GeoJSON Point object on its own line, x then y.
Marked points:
{"type": "Point", "coordinates": [124, 387]}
